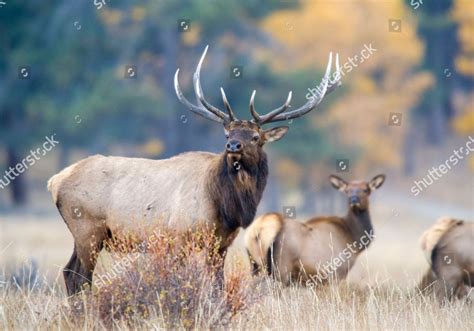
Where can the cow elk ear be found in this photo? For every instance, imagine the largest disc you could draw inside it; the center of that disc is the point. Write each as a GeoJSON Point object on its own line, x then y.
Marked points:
{"type": "Point", "coordinates": [376, 182]}
{"type": "Point", "coordinates": [275, 134]}
{"type": "Point", "coordinates": [338, 183]}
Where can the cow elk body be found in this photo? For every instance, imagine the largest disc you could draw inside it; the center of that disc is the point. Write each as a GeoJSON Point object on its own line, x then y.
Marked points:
{"type": "Point", "coordinates": [102, 197]}
{"type": "Point", "coordinates": [449, 243]}
{"type": "Point", "coordinates": [319, 249]}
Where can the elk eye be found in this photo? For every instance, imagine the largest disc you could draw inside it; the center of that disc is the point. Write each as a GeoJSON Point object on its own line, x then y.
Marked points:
{"type": "Point", "coordinates": [255, 139]}
{"type": "Point", "coordinates": [366, 190]}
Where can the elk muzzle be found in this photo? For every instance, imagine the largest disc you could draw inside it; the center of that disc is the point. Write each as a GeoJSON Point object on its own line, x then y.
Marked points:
{"type": "Point", "coordinates": [234, 146]}
{"type": "Point", "coordinates": [354, 201]}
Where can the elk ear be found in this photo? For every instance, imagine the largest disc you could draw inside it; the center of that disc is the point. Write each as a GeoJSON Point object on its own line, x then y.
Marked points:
{"type": "Point", "coordinates": [275, 134]}
{"type": "Point", "coordinates": [337, 182]}
{"type": "Point", "coordinates": [376, 182]}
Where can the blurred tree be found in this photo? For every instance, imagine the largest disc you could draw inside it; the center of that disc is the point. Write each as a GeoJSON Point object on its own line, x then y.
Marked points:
{"type": "Point", "coordinates": [437, 28]}
{"type": "Point", "coordinates": [69, 88]}
{"type": "Point", "coordinates": [77, 55]}
{"type": "Point", "coordinates": [374, 87]}
{"type": "Point", "coordinates": [463, 13]}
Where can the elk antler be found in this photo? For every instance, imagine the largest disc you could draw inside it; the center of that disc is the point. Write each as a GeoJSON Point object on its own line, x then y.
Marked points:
{"type": "Point", "coordinates": [279, 114]}
{"type": "Point", "coordinates": [203, 108]}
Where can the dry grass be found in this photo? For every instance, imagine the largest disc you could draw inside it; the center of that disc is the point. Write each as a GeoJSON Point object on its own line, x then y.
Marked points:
{"type": "Point", "coordinates": [379, 293]}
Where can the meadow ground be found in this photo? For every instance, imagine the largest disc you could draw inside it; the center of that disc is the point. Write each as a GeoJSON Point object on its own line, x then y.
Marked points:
{"type": "Point", "coordinates": [378, 295]}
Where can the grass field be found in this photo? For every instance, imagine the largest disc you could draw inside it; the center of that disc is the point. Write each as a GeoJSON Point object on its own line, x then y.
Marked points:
{"type": "Point", "coordinates": [378, 294]}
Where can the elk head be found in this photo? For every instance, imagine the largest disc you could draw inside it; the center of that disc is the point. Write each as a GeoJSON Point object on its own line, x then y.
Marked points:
{"type": "Point", "coordinates": [245, 138]}
{"type": "Point", "coordinates": [358, 192]}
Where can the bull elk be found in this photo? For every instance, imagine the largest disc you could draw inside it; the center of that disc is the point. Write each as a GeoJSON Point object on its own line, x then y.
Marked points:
{"type": "Point", "coordinates": [450, 246]}
{"type": "Point", "coordinates": [112, 194]}
{"type": "Point", "coordinates": [310, 252]}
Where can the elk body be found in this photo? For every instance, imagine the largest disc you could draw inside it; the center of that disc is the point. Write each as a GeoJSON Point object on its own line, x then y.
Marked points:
{"type": "Point", "coordinates": [450, 245]}
{"type": "Point", "coordinates": [319, 249]}
{"type": "Point", "coordinates": [102, 197]}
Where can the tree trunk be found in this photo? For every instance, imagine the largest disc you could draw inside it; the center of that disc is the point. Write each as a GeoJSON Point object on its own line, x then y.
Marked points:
{"type": "Point", "coordinates": [63, 161]}
{"type": "Point", "coordinates": [18, 185]}
{"type": "Point", "coordinates": [176, 128]}
{"type": "Point", "coordinates": [272, 195]}
{"type": "Point", "coordinates": [409, 152]}
{"type": "Point", "coordinates": [438, 121]}
{"type": "Point", "coordinates": [309, 204]}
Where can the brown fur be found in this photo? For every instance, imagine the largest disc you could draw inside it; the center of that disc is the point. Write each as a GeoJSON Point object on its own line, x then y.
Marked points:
{"type": "Point", "coordinates": [260, 237]}
{"type": "Point", "coordinates": [450, 245]}
{"type": "Point", "coordinates": [299, 251]}
{"type": "Point", "coordinates": [123, 197]}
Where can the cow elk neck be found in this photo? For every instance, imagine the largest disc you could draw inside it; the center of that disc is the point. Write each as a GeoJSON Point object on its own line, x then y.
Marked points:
{"type": "Point", "coordinates": [359, 224]}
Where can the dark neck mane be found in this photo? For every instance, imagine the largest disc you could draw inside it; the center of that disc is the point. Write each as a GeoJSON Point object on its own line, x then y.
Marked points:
{"type": "Point", "coordinates": [360, 227]}
{"type": "Point", "coordinates": [236, 194]}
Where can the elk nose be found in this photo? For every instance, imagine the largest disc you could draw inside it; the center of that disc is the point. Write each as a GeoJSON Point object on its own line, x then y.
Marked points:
{"type": "Point", "coordinates": [234, 146]}
{"type": "Point", "coordinates": [354, 200]}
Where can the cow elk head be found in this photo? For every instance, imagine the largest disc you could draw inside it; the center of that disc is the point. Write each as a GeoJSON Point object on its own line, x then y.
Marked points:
{"type": "Point", "coordinates": [357, 192]}
{"type": "Point", "coordinates": [245, 138]}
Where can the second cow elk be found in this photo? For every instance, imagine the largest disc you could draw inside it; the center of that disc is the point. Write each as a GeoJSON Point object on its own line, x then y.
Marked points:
{"type": "Point", "coordinates": [102, 197]}
{"type": "Point", "coordinates": [450, 246]}
{"type": "Point", "coordinates": [320, 249]}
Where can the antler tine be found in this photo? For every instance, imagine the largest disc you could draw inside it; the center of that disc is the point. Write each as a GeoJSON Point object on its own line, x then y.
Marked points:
{"type": "Point", "coordinates": [268, 117]}
{"type": "Point", "coordinates": [333, 85]}
{"type": "Point", "coordinates": [313, 102]}
{"type": "Point", "coordinates": [227, 106]}
{"type": "Point", "coordinates": [254, 113]}
{"type": "Point", "coordinates": [195, 109]}
{"type": "Point", "coordinates": [199, 92]}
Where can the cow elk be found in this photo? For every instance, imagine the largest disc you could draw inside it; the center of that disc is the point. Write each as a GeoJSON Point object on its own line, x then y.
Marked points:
{"type": "Point", "coordinates": [318, 250]}
{"type": "Point", "coordinates": [449, 243]}
{"type": "Point", "coordinates": [103, 197]}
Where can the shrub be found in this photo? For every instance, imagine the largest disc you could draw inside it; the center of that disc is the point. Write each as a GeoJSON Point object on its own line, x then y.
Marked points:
{"type": "Point", "coordinates": [175, 282]}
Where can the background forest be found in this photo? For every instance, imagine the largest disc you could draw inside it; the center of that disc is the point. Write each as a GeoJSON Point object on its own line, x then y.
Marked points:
{"type": "Point", "coordinates": [98, 75]}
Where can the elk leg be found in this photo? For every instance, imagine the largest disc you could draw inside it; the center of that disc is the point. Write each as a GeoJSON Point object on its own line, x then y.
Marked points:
{"type": "Point", "coordinates": [75, 275]}
{"type": "Point", "coordinates": [253, 265]}
{"type": "Point", "coordinates": [220, 268]}
{"type": "Point", "coordinates": [80, 268]}
{"type": "Point", "coordinates": [450, 279]}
